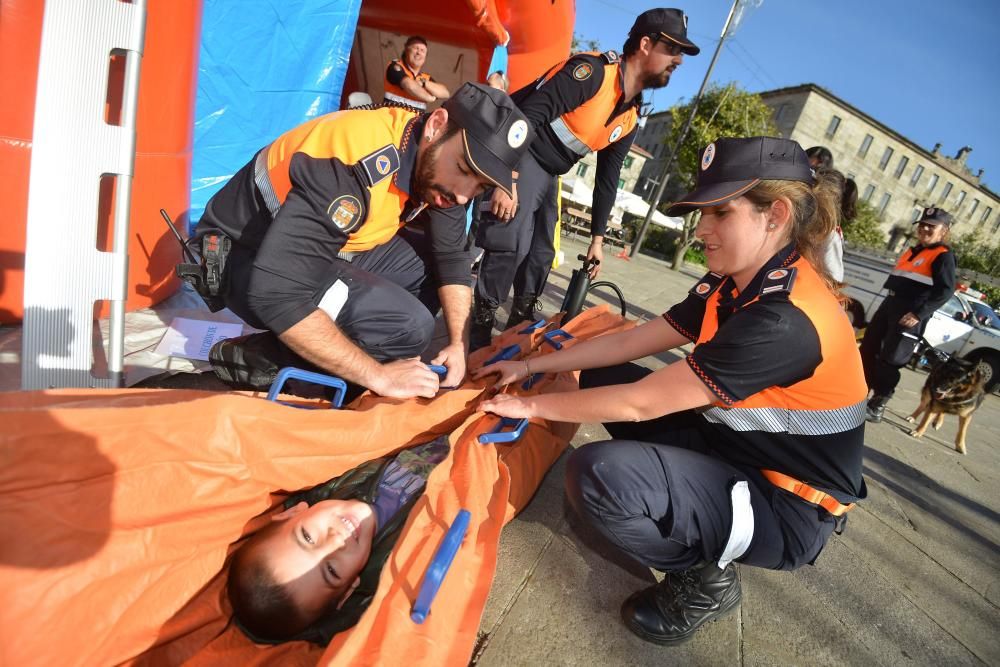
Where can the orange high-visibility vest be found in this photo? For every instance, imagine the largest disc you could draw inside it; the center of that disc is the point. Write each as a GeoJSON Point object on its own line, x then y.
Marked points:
{"type": "Point", "coordinates": [396, 94]}
{"type": "Point", "coordinates": [590, 126]}
{"type": "Point", "coordinates": [347, 136]}
{"type": "Point", "coordinates": [917, 267]}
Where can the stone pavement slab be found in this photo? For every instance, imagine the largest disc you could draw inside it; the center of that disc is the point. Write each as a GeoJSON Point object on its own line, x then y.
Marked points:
{"type": "Point", "coordinates": [913, 580]}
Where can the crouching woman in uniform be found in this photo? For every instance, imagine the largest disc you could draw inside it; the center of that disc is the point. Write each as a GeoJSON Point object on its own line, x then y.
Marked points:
{"type": "Point", "coordinates": [749, 449]}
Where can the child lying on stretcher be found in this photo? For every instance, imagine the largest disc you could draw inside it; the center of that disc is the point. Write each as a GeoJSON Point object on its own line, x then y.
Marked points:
{"type": "Point", "coordinates": [314, 569]}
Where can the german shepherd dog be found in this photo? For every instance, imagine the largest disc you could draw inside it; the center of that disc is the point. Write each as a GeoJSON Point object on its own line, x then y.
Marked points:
{"type": "Point", "coordinates": [953, 387]}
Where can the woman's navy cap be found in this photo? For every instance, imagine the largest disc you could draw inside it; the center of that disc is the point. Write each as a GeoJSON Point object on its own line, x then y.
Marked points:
{"type": "Point", "coordinates": [936, 216]}
{"type": "Point", "coordinates": [728, 168]}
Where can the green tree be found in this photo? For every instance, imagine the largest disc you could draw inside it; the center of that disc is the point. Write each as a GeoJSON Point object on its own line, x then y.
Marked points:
{"type": "Point", "coordinates": [580, 44]}
{"type": "Point", "coordinates": [864, 229]}
{"type": "Point", "coordinates": [972, 253]}
{"type": "Point", "coordinates": [724, 111]}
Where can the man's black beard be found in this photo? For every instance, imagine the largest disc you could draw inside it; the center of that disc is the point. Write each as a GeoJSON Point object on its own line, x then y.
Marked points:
{"type": "Point", "coordinates": [423, 181]}
{"type": "Point", "coordinates": [654, 81]}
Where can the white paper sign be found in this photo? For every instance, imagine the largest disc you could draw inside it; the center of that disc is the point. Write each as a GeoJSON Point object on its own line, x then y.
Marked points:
{"type": "Point", "coordinates": [192, 339]}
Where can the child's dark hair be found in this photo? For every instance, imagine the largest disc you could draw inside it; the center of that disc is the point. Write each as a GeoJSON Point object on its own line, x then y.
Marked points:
{"type": "Point", "coordinates": [261, 606]}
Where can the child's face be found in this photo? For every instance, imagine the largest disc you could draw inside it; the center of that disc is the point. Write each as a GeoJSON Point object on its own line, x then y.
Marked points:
{"type": "Point", "coordinates": [318, 551]}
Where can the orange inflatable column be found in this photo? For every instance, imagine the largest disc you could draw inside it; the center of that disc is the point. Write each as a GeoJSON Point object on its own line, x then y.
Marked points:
{"type": "Point", "coordinates": [163, 146]}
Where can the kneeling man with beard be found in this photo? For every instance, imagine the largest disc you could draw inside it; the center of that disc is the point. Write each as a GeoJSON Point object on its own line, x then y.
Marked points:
{"type": "Point", "coordinates": [318, 250]}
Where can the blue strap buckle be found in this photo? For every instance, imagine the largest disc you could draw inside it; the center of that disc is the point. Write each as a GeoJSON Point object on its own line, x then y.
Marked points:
{"type": "Point", "coordinates": [551, 337]}
{"type": "Point", "coordinates": [290, 373]}
{"type": "Point", "coordinates": [505, 354]}
{"type": "Point", "coordinates": [499, 435]}
{"type": "Point", "coordinates": [532, 379]}
{"type": "Point", "coordinates": [534, 327]}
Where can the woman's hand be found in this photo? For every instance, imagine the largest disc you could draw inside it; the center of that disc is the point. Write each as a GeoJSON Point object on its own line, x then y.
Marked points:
{"type": "Point", "coordinates": [509, 371]}
{"type": "Point", "coordinates": [506, 405]}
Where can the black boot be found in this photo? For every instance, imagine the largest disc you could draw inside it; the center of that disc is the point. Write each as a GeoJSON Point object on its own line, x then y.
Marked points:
{"type": "Point", "coordinates": [671, 611]}
{"type": "Point", "coordinates": [876, 408]}
{"type": "Point", "coordinates": [484, 316]}
{"type": "Point", "coordinates": [522, 309]}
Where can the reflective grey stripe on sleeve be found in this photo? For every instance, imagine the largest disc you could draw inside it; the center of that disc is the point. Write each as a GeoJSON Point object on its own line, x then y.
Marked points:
{"type": "Point", "coordinates": [567, 138]}
{"type": "Point", "coordinates": [334, 299]}
{"type": "Point", "coordinates": [416, 104]}
{"type": "Point", "coordinates": [915, 277]}
{"type": "Point", "coordinates": [793, 422]}
{"type": "Point", "coordinates": [741, 533]}
{"type": "Point", "coordinates": [263, 181]}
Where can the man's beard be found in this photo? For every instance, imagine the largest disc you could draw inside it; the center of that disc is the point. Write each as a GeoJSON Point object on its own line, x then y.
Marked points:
{"type": "Point", "coordinates": [659, 80]}
{"type": "Point", "coordinates": [423, 181]}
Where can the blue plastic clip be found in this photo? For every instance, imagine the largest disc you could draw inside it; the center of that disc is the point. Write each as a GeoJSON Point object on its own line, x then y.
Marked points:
{"type": "Point", "coordinates": [505, 354]}
{"type": "Point", "coordinates": [530, 382]}
{"type": "Point", "coordinates": [439, 566]}
{"type": "Point", "coordinates": [290, 372]}
{"type": "Point", "coordinates": [534, 327]}
{"type": "Point", "coordinates": [436, 368]}
{"type": "Point", "coordinates": [499, 435]}
{"type": "Point", "coordinates": [551, 337]}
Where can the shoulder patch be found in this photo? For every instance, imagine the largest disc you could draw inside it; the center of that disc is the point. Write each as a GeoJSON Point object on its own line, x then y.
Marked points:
{"type": "Point", "coordinates": [583, 71]}
{"type": "Point", "coordinates": [611, 56]}
{"type": "Point", "coordinates": [778, 280]}
{"type": "Point", "coordinates": [705, 287]}
{"type": "Point", "coordinates": [347, 212]}
{"type": "Point", "coordinates": [379, 165]}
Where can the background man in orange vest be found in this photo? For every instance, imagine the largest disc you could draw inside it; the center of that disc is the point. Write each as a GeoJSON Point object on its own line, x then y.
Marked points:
{"type": "Point", "coordinates": [322, 258]}
{"type": "Point", "coordinates": [405, 82]}
{"type": "Point", "coordinates": [589, 102]}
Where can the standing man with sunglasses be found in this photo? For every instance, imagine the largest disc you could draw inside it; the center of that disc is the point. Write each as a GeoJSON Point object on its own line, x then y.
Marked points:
{"type": "Point", "coordinates": [587, 103]}
{"type": "Point", "coordinates": [923, 279]}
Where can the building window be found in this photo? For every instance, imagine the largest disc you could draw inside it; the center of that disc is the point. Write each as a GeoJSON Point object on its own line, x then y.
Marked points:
{"type": "Point", "coordinates": [581, 170]}
{"type": "Point", "coordinates": [945, 192]}
{"type": "Point", "coordinates": [972, 211]}
{"type": "Point", "coordinates": [865, 145]}
{"type": "Point", "coordinates": [986, 214]}
{"type": "Point", "coordinates": [917, 173]}
{"type": "Point", "coordinates": [961, 200]}
{"type": "Point", "coordinates": [831, 129]}
{"type": "Point", "coordinates": [852, 177]}
{"type": "Point", "coordinates": [621, 183]}
{"type": "Point", "coordinates": [779, 115]}
{"type": "Point", "coordinates": [628, 161]}
{"type": "Point", "coordinates": [886, 156]}
{"type": "Point", "coordinates": [916, 214]}
{"type": "Point", "coordinates": [932, 184]}
{"type": "Point", "coordinates": [886, 198]}
{"type": "Point", "coordinates": [903, 161]}
{"type": "Point", "coordinates": [869, 191]}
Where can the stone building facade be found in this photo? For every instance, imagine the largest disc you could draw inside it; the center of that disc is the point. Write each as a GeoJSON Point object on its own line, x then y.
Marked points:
{"type": "Point", "coordinates": [893, 174]}
{"type": "Point", "coordinates": [586, 169]}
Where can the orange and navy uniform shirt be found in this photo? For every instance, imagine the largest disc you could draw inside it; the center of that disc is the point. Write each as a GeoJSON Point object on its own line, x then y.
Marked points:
{"type": "Point", "coordinates": [337, 184]}
{"type": "Point", "coordinates": [923, 278]}
{"type": "Point", "coordinates": [579, 106]}
{"type": "Point", "coordinates": [394, 75]}
{"type": "Point", "coordinates": [782, 361]}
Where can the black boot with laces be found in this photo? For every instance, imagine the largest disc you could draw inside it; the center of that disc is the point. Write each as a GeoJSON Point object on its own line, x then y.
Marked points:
{"type": "Point", "coordinates": [523, 308]}
{"type": "Point", "coordinates": [671, 611]}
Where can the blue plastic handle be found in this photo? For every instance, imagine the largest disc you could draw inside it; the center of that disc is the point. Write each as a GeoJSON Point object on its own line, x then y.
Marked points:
{"type": "Point", "coordinates": [290, 372]}
{"type": "Point", "coordinates": [551, 337]}
{"type": "Point", "coordinates": [439, 566]}
{"type": "Point", "coordinates": [499, 435]}
{"type": "Point", "coordinates": [436, 368]}
{"type": "Point", "coordinates": [534, 327]}
{"type": "Point", "coordinates": [505, 354]}
{"type": "Point", "coordinates": [530, 382]}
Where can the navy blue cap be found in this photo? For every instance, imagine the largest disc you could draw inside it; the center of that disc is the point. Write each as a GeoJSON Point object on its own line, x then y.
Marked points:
{"type": "Point", "coordinates": [730, 167]}
{"type": "Point", "coordinates": [494, 131]}
{"type": "Point", "coordinates": [669, 24]}
{"type": "Point", "coordinates": [936, 216]}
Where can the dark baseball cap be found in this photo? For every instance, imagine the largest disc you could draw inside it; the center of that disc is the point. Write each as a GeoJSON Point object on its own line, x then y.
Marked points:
{"type": "Point", "coordinates": [936, 216]}
{"type": "Point", "coordinates": [671, 24]}
{"type": "Point", "coordinates": [728, 168]}
{"type": "Point", "coordinates": [495, 132]}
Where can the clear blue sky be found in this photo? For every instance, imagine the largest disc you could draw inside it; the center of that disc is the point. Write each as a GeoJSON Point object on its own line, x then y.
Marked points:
{"type": "Point", "coordinates": [929, 70]}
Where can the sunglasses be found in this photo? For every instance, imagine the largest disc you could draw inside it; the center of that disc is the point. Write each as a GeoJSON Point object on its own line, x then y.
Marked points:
{"type": "Point", "coordinates": [673, 49]}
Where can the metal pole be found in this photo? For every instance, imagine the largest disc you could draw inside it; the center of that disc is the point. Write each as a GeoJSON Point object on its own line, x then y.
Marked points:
{"type": "Point", "coordinates": [665, 177]}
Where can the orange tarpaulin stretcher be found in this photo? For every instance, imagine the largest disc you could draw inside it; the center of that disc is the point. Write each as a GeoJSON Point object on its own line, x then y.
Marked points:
{"type": "Point", "coordinates": [118, 509]}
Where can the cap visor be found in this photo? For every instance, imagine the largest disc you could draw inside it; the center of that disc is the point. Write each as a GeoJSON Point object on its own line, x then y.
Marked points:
{"type": "Point", "coordinates": [687, 47]}
{"type": "Point", "coordinates": [711, 195]}
{"type": "Point", "coordinates": [486, 164]}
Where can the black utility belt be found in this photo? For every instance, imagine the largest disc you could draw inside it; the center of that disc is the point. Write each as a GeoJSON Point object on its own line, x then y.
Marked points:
{"type": "Point", "coordinates": [208, 277]}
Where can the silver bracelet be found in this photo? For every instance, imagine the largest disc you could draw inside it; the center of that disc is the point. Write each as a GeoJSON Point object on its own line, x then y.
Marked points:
{"type": "Point", "coordinates": [527, 369]}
